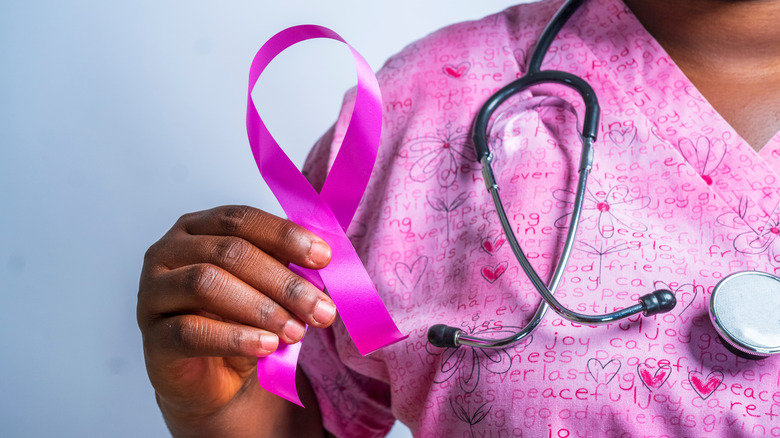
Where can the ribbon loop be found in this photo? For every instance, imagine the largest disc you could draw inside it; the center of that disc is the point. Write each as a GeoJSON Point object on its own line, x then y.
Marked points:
{"type": "Point", "coordinates": [328, 213]}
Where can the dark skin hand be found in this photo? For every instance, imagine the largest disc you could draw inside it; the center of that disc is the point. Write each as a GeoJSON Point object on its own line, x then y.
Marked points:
{"type": "Point", "coordinates": [215, 294]}
{"type": "Point", "coordinates": [730, 50]}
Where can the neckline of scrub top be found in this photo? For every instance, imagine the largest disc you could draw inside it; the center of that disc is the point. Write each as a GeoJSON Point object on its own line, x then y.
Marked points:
{"type": "Point", "coordinates": [742, 177]}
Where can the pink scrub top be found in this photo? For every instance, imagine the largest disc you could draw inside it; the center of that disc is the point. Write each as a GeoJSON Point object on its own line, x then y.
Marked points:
{"type": "Point", "coordinates": [676, 200]}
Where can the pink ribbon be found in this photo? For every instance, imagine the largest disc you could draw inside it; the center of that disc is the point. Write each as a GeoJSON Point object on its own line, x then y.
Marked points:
{"type": "Point", "coordinates": [327, 213]}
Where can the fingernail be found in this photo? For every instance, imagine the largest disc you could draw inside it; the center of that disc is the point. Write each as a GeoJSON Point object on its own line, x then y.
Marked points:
{"type": "Point", "coordinates": [269, 342]}
{"type": "Point", "coordinates": [294, 330]}
{"type": "Point", "coordinates": [319, 253]}
{"type": "Point", "coordinates": [324, 312]}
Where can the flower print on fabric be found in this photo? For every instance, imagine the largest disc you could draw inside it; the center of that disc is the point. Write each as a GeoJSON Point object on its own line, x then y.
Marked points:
{"type": "Point", "coordinates": [600, 250]}
{"type": "Point", "coordinates": [466, 415]}
{"type": "Point", "coordinates": [337, 388]}
{"type": "Point", "coordinates": [605, 210]}
{"type": "Point", "coordinates": [466, 363]}
{"type": "Point", "coordinates": [446, 206]}
{"type": "Point", "coordinates": [441, 156]}
{"type": "Point", "coordinates": [703, 154]}
{"type": "Point", "coordinates": [754, 240]}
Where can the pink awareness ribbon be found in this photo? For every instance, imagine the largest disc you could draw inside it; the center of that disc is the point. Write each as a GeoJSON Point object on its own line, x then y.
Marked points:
{"type": "Point", "coordinates": [327, 213]}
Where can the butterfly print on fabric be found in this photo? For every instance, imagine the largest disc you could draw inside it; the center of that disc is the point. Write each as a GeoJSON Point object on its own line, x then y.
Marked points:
{"type": "Point", "coordinates": [606, 210]}
{"type": "Point", "coordinates": [704, 154]}
{"type": "Point", "coordinates": [441, 156]}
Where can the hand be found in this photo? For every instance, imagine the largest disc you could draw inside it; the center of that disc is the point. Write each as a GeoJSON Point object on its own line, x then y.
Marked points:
{"type": "Point", "coordinates": [216, 293]}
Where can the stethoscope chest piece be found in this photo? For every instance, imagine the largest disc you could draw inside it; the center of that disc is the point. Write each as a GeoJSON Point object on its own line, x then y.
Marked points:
{"type": "Point", "coordinates": [745, 310]}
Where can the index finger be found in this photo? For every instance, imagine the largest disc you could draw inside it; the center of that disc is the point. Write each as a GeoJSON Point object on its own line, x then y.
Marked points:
{"type": "Point", "coordinates": [279, 237]}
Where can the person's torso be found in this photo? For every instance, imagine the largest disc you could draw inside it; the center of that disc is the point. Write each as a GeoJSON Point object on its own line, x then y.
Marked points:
{"type": "Point", "coordinates": [675, 200]}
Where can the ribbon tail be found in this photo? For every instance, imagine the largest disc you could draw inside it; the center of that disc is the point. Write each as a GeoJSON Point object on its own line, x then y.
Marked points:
{"type": "Point", "coordinates": [361, 309]}
{"type": "Point", "coordinates": [364, 315]}
{"type": "Point", "coordinates": [276, 372]}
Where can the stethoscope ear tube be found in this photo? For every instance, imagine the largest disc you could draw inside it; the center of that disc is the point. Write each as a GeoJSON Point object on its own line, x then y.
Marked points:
{"type": "Point", "coordinates": [444, 336]}
{"type": "Point", "coordinates": [590, 120]}
{"type": "Point", "coordinates": [660, 301]}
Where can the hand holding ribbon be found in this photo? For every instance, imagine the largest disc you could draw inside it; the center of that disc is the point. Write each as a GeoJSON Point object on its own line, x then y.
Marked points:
{"type": "Point", "coordinates": [327, 213]}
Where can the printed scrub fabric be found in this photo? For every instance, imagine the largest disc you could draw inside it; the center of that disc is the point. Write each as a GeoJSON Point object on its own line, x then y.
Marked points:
{"type": "Point", "coordinates": [676, 200]}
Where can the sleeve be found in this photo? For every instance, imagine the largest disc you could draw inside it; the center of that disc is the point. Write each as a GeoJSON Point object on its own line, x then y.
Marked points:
{"type": "Point", "coordinates": [352, 404]}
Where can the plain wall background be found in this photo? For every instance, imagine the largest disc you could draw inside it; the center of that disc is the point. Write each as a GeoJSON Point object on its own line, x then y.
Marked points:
{"type": "Point", "coordinates": [116, 118]}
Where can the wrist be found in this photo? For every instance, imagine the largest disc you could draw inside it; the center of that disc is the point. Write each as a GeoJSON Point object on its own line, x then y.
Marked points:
{"type": "Point", "coordinates": [185, 422]}
{"type": "Point", "coordinates": [253, 412]}
{"type": "Point", "coordinates": [233, 419]}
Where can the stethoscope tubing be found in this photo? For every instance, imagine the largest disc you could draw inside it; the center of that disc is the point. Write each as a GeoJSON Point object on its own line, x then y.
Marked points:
{"type": "Point", "coordinates": [655, 302]}
{"type": "Point", "coordinates": [744, 333]}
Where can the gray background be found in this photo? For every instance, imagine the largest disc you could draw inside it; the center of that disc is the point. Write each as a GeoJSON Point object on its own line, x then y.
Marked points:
{"type": "Point", "coordinates": [116, 118]}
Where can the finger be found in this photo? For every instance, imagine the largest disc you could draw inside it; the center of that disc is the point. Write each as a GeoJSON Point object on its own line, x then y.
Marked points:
{"type": "Point", "coordinates": [279, 237]}
{"type": "Point", "coordinates": [253, 267]}
{"type": "Point", "coordinates": [205, 287]}
{"type": "Point", "coordinates": [199, 336]}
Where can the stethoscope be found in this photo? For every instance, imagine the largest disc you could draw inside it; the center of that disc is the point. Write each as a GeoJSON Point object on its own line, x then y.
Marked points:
{"type": "Point", "coordinates": [744, 307]}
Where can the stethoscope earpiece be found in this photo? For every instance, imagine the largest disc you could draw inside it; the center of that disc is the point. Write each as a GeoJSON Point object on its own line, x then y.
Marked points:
{"type": "Point", "coordinates": [660, 301]}
{"type": "Point", "coordinates": [443, 336]}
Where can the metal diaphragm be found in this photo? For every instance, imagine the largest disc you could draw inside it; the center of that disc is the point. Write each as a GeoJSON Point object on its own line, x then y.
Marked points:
{"type": "Point", "coordinates": [745, 310]}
